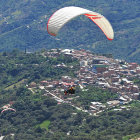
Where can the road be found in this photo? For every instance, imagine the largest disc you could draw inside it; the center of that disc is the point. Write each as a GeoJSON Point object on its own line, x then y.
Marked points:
{"type": "Point", "coordinates": [55, 97]}
{"type": "Point", "coordinates": [31, 90]}
{"type": "Point", "coordinates": [63, 101]}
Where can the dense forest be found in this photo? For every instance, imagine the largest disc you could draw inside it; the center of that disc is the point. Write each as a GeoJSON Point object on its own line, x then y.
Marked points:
{"type": "Point", "coordinates": [20, 67]}
{"type": "Point", "coordinates": [41, 117]}
{"type": "Point", "coordinates": [23, 25]}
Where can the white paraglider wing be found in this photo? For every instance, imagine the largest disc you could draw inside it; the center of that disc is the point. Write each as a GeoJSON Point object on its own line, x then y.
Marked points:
{"type": "Point", "coordinates": [64, 15]}
{"type": "Point", "coordinates": [8, 109]}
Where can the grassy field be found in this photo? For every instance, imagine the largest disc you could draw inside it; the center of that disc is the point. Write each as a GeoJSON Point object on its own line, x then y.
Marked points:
{"type": "Point", "coordinates": [18, 84]}
{"type": "Point", "coordinates": [44, 125]}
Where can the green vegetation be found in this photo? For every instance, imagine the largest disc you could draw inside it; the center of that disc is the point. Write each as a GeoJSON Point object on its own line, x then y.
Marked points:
{"type": "Point", "coordinates": [133, 137]}
{"type": "Point", "coordinates": [137, 81]}
{"type": "Point", "coordinates": [23, 25]}
{"type": "Point", "coordinates": [18, 84]}
{"type": "Point", "coordinates": [135, 104]}
{"type": "Point", "coordinates": [93, 94]}
{"type": "Point", "coordinates": [44, 125]}
{"type": "Point", "coordinates": [40, 117]}
{"type": "Point", "coordinates": [18, 68]}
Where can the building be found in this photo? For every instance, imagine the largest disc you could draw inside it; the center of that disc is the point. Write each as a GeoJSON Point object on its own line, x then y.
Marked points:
{"type": "Point", "coordinates": [99, 68]}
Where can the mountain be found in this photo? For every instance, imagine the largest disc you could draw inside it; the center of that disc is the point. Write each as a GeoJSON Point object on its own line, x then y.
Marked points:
{"type": "Point", "coordinates": [23, 25]}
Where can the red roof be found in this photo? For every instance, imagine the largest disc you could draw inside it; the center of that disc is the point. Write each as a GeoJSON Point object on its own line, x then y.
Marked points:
{"type": "Point", "coordinates": [68, 84]}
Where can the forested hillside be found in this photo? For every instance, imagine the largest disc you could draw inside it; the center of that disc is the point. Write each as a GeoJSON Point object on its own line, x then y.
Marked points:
{"type": "Point", "coordinates": [39, 117]}
{"type": "Point", "coordinates": [23, 24]}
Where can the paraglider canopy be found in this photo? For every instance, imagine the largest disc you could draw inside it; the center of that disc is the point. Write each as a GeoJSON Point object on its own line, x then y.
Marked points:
{"type": "Point", "coordinates": [64, 15]}
{"type": "Point", "coordinates": [11, 109]}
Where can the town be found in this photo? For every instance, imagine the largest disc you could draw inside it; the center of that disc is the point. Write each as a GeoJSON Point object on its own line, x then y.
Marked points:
{"type": "Point", "coordinates": [99, 71]}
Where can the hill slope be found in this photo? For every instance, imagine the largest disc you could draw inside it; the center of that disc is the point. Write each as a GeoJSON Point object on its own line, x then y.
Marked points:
{"type": "Point", "coordinates": [23, 24]}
